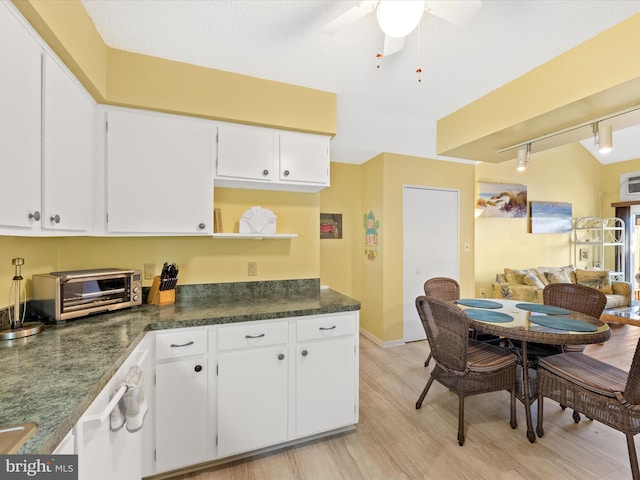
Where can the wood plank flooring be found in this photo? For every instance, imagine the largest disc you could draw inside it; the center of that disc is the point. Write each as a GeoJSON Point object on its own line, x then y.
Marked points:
{"type": "Point", "coordinates": [394, 441]}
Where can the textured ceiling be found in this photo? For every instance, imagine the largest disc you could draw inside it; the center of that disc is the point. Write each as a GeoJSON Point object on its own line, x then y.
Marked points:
{"type": "Point", "coordinates": [382, 109]}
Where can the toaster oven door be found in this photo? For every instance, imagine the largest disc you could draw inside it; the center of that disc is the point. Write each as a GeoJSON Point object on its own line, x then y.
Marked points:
{"type": "Point", "coordinates": [93, 294]}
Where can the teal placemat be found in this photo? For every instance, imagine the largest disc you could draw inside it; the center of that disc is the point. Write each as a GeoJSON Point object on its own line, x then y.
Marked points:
{"type": "Point", "coordinates": [539, 308]}
{"type": "Point", "coordinates": [478, 303]}
{"type": "Point", "coordinates": [488, 316]}
{"type": "Point", "coordinates": [561, 323]}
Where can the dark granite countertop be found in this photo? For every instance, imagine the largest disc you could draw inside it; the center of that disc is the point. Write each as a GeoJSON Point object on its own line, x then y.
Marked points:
{"type": "Point", "coordinates": [51, 378]}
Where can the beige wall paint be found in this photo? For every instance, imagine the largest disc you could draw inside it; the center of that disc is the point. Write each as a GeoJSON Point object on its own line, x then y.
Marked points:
{"type": "Point", "coordinates": [564, 174]}
{"type": "Point", "coordinates": [341, 259]}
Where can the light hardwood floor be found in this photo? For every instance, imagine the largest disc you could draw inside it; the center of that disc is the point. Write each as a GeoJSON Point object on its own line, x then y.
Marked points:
{"type": "Point", "coordinates": [393, 440]}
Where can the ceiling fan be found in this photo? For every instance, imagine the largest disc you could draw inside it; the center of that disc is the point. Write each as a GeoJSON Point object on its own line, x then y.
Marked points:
{"type": "Point", "coordinates": [398, 18]}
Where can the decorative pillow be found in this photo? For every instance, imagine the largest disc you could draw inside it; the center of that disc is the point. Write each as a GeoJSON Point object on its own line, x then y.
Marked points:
{"type": "Point", "coordinates": [515, 276]}
{"type": "Point", "coordinates": [570, 270]}
{"type": "Point", "coordinates": [558, 277]}
{"type": "Point", "coordinates": [532, 279]}
{"type": "Point", "coordinates": [598, 279]}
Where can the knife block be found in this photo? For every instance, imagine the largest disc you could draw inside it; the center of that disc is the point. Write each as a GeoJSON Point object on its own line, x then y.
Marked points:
{"type": "Point", "coordinates": [160, 297]}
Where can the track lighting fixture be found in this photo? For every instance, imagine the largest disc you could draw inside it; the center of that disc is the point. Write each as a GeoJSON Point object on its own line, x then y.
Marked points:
{"type": "Point", "coordinates": [524, 157]}
{"type": "Point", "coordinates": [603, 136]}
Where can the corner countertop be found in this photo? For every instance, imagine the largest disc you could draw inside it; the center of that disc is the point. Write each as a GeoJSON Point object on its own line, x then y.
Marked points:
{"type": "Point", "coordinates": [51, 378]}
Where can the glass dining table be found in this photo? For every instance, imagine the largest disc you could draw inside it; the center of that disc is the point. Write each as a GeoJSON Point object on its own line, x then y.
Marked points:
{"type": "Point", "coordinates": [532, 322]}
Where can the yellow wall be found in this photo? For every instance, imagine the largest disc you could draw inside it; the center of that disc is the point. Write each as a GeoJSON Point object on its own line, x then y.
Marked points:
{"type": "Point", "coordinates": [402, 170]}
{"type": "Point", "coordinates": [568, 90]}
{"type": "Point", "coordinates": [129, 79]}
{"type": "Point", "coordinates": [201, 260]}
{"type": "Point", "coordinates": [341, 265]}
{"type": "Point", "coordinates": [564, 174]}
{"type": "Point", "coordinates": [372, 280]}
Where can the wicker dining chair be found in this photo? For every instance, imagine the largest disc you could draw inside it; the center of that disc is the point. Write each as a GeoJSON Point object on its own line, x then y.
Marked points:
{"type": "Point", "coordinates": [599, 390]}
{"type": "Point", "coordinates": [444, 288]}
{"type": "Point", "coordinates": [463, 365]}
{"type": "Point", "coordinates": [578, 298]}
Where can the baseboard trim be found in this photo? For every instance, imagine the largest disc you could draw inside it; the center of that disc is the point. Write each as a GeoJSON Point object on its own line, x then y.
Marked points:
{"type": "Point", "coordinates": [380, 343]}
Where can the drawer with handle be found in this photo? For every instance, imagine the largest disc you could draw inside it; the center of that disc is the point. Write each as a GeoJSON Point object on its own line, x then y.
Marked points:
{"type": "Point", "coordinates": [181, 344]}
{"type": "Point", "coordinates": [326, 326]}
{"type": "Point", "coordinates": [252, 335]}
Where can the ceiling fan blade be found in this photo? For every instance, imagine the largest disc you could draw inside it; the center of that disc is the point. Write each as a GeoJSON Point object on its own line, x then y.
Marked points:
{"type": "Point", "coordinates": [349, 17]}
{"type": "Point", "coordinates": [392, 45]}
{"type": "Point", "coordinates": [457, 12]}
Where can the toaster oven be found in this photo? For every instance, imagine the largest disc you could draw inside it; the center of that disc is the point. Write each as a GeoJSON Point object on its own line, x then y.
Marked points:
{"type": "Point", "coordinates": [59, 296]}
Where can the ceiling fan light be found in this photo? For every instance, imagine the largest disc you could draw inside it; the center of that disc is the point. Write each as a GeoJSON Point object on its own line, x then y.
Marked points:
{"type": "Point", "coordinates": [398, 18]}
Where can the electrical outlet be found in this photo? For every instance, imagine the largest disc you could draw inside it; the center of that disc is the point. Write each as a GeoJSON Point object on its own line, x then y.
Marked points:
{"type": "Point", "coordinates": [482, 293]}
{"type": "Point", "coordinates": [149, 271]}
{"type": "Point", "coordinates": [252, 269]}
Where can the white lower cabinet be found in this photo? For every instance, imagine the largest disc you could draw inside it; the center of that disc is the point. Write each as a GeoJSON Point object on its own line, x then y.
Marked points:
{"type": "Point", "coordinates": [325, 385]}
{"type": "Point", "coordinates": [253, 377]}
{"type": "Point", "coordinates": [182, 399]}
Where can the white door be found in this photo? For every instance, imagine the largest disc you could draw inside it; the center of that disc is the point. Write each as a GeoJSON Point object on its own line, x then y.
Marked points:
{"type": "Point", "coordinates": [430, 246]}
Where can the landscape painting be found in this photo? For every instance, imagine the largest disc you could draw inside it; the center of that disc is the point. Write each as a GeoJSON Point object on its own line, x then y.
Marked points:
{"type": "Point", "coordinates": [502, 200]}
{"type": "Point", "coordinates": [550, 217]}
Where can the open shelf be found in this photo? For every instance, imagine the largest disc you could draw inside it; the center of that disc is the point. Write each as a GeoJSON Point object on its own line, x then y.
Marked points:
{"type": "Point", "coordinates": [256, 236]}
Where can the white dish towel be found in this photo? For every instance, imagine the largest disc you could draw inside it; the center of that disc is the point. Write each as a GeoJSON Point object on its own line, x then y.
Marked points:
{"type": "Point", "coordinates": [132, 407]}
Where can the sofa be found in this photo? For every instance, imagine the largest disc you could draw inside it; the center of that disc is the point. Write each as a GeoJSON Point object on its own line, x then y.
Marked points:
{"type": "Point", "coordinates": [527, 284]}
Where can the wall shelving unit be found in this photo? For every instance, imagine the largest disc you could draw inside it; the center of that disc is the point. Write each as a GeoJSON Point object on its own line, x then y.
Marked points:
{"type": "Point", "coordinates": [598, 244]}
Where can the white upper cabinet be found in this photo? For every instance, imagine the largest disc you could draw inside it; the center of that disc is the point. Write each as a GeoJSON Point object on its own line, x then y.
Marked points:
{"type": "Point", "coordinates": [68, 152]}
{"type": "Point", "coordinates": [159, 178]}
{"type": "Point", "coordinates": [247, 152]}
{"type": "Point", "coordinates": [304, 158]}
{"type": "Point", "coordinates": [20, 103]}
{"type": "Point", "coordinates": [47, 146]}
{"type": "Point", "coordinates": [269, 159]}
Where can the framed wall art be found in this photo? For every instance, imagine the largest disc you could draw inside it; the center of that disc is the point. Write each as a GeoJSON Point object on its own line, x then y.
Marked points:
{"type": "Point", "coordinates": [502, 200]}
{"type": "Point", "coordinates": [330, 225]}
{"type": "Point", "coordinates": [550, 217]}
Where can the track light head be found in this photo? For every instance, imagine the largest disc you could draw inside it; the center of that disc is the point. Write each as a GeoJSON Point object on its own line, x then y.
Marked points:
{"type": "Point", "coordinates": [524, 158]}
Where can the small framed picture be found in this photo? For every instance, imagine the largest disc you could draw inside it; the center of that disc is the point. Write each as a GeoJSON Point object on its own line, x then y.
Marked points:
{"type": "Point", "coordinates": [584, 254]}
{"type": "Point", "coordinates": [330, 225]}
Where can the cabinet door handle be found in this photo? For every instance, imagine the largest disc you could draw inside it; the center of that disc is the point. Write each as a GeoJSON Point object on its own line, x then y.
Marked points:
{"type": "Point", "coordinates": [265, 172]}
{"type": "Point", "coordinates": [201, 226]}
{"type": "Point", "coordinates": [254, 336]}
{"type": "Point", "coordinates": [281, 356]}
{"type": "Point", "coordinates": [55, 219]}
{"type": "Point", "coordinates": [34, 216]}
{"type": "Point", "coordinates": [304, 353]}
{"type": "Point", "coordinates": [198, 368]}
{"type": "Point", "coordinates": [173, 345]}
{"type": "Point", "coordinates": [286, 173]}
{"type": "Point", "coordinates": [327, 328]}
